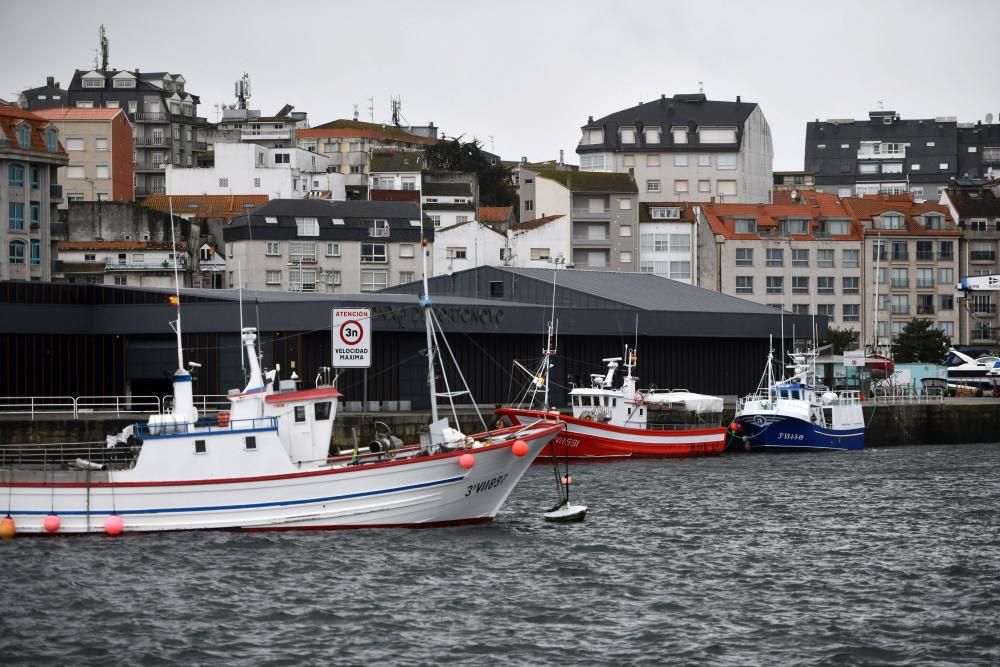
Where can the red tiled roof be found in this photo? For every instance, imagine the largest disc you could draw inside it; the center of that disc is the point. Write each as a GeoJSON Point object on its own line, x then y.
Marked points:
{"type": "Point", "coordinates": [815, 206]}
{"type": "Point", "coordinates": [11, 116]}
{"type": "Point", "coordinates": [536, 223]}
{"type": "Point", "coordinates": [206, 206]}
{"type": "Point", "coordinates": [864, 209]}
{"type": "Point", "coordinates": [73, 113]}
{"type": "Point", "coordinates": [495, 213]}
{"type": "Point", "coordinates": [362, 133]}
{"type": "Point", "coordinates": [121, 245]}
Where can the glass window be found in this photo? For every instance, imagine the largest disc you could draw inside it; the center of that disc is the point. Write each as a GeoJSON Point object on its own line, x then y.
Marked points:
{"type": "Point", "coordinates": [725, 161]}
{"type": "Point", "coordinates": [744, 284]}
{"type": "Point", "coordinates": [744, 257]}
{"type": "Point", "coordinates": [852, 312]}
{"type": "Point", "coordinates": [15, 215]}
{"type": "Point", "coordinates": [374, 280]}
{"type": "Point", "coordinates": [36, 252]}
{"type": "Point", "coordinates": [373, 252]}
{"type": "Point", "coordinates": [273, 277]}
{"type": "Point", "coordinates": [851, 258]}
{"type": "Point", "coordinates": [273, 248]}
{"type": "Point", "coordinates": [652, 186]}
{"type": "Point", "coordinates": [15, 176]}
{"type": "Point", "coordinates": [16, 250]}
{"type": "Point", "coordinates": [680, 270]}
{"type": "Point", "coordinates": [680, 159]}
{"type": "Point", "coordinates": [775, 284]}
{"type": "Point", "coordinates": [800, 284]}
{"type": "Point", "coordinates": [800, 257]}
{"type": "Point", "coordinates": [850, 285]}
{"type": "Point", "coordinates": [300, 413]}
{"type": "Point", "coordinates": [323, 411]}
{"type": "Point", "coordinates": [704, 160]}
{"type": "Point", "coordinates": [824, 285]}
{"type": "Point", "coordinates": [775, 257]}
{"type": "Point", "coordinates": [745, 225]}
{"type": "Point", "coordinates": [652, 160]}
{"type": "Point", "coordinates": [824, 258]}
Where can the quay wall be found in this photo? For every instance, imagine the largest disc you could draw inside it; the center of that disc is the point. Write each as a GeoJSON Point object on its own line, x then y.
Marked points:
{"type": "Point", "coordinates": [950, 422]}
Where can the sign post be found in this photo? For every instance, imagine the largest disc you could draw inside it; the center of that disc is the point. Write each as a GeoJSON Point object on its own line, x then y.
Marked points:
{"type": "Point", "coordinates": [351, 338]}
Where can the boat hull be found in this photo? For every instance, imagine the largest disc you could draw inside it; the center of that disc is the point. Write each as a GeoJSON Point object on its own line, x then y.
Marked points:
{"type": "Point", "coordinates": [423, 491]}
{"type": "Point", "coordinates": [787, 433]}
{"type": "Point", "coordinates": [582, 439]}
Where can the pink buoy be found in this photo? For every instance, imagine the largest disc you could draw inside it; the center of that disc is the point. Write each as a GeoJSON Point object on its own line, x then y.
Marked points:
{"type": "Point", "coordinates": [520, 448]}
{"type": "Point", "coordinates": [466, 461]}
{"type": "Point", "coordinates": [567, 479]}
{"type": "Point", "coordinates": [51, 523]}
{"type": "Point", "coordinates": [113, 525]}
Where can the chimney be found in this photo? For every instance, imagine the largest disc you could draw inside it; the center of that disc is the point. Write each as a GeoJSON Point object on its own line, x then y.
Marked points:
{"type": "Point", "coordinates": [50, 81]}
{"type": "Point", "coordinates": [560, 157]}
{"type": "Point", "coordinates": [590, 120]}
{"type": "Point", "coordinates": [737, 99]}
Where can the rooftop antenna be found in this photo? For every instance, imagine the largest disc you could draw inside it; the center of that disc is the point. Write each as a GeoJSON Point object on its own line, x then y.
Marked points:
{"type": "Point", "coordinates": [242, 90]}
{"type": "Point", "coordinates": [701, 86]}
{"type": "Point", "coordinates": [104, 49]}
{"type": "Point", "coordinates": [989, 118]}
{"type": "Point", "coordinates": [216, 105]}
{"type": "Point", "coordinates": [491, 143]}
{"type": "Point", "coordinates": [881, 105]}
{"type": "Point", "coordinates": [355, 112]}
{"type": "Point", "coordinates": [397, 105]}
{"type": "Point", "coordinates": [371, 109]}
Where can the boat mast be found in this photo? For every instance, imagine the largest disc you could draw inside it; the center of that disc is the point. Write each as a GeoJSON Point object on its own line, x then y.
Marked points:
{"type": "Point", "coordinates": [177, 287]}
{"type": "Point", "coordinates": [549, 351]}
{"type": "Point", "coordinates": [425, 303]}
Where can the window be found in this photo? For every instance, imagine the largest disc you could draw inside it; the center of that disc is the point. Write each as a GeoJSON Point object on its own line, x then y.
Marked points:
{"type": "Point", "coordinates": [529, 205]}
{"type": "Point", "coordinates": [744, 284]}
{"type": "Point", "coordinates": [103, 171]}
{"type": "Point", "coordinates": [850, 285]}
{"type": "Point", "coordinates": [84, 104]}
{"type": "Point", "coordinates": [680, 159]}
{"type": "Point", "coordinates": [943, 166]}
{"type": "Point", "coordinates": [15, 215]}
{"type": "Point", "coordinates": [680, 270]}
{"type": "Point", "coordinates": [654, 242]}
{"type": "Point", "coordinates": [725, 189]}
{"type": "Point", "coordinates": [34, 210]}
{"type": "Point", "coordinates": [899, 304]}
{"type": "Point", "coordinates": [925, 278]}
{"type": "Point", "coordinates": [628, 135]}
{"type": "Point", "coordinates": [851, 258]}
{"type": "Point", "coordinates": [436, 219]}
{"type": "Point", "coordinates": [627, 161]}
{"type": "Point", "coordinates": [74, 144]}
{"type": "Point", "coordinates": [74, 196]}
{"type": "Point", "coordinates": [664, 213]}
{"type": "Point", "coordinates": [717, 135]}
{"type": "Point", "coordinates": [800, 284]}
{"type": "Point", "coordinates": [800, 308]}
{"type": "Point", "coordinates": [745, 225]}
{"type": "Point", "coordinates": [624, 204]}
{"type": "Point", "coordinates": [625, 257]}
{"type": "Point", "coordinates": [794, 226]}
{"type": "Point", "coordinates": [540, 254]}
{"type": "Point", "coordinates": [744, 257]}
{"type": "Point", "coordinates": [652, 135]}
{"type": "Point", "coordinates": [653, 160]}
{"type": "Point", "coordinates": [868, 168]}
{"type": "Point", "coordinates": [101, 144]}
{"type": "Point", "coordinates": [16, 251]}
{"type": "Point", "coordinates": [405, 250]}
{"type": "Point", "coordinates": [373, 252]}
{"type": "Point", "coordinates": [824, 258]}
{"type": "Point", "coordinates": [826, 310]}
{"type": "Point", "coordinates": [456, 253]}
{"type": "Point", "coordinates": [775, 284]}
{"type": "Point", "coordinates": [820, 146]}
{"type": "Point", "coordinates": [625, 230]}
{"type": "Point", "coordinates": [680, 243]}
{"type": "Point", "coordinates": [946, 251]}
{"type": "Point", "coordinates": [15, 176]}
{"type": "Point", "coordinates": [307, 226]}
{"type": "Point", "coordinates": [881, 275]}
{"type": "Point", "coordinates": [374, 280]}
{"type": "Point", "coordinates": [925, 251]}
{"type": "Point", "coordinates": [890, 221]}
{"type": "Point", "coordinates": [282, 158]}
{"type": "Point", "coordinates": [892, 168]}
{"type": "Point", "coordinates": [775, 257]}
{"type": "Point", "coordinates": [704, 185]}
{"type": "Point", "coordinates": [680, 186]}
{"type": "Point", "coordinates": [900, 278]}
{"type": "Point", "coordinates": [273, 277]}
{"type": "Point", "coordinates": [302, 280]}
{"type": "Point", "coordinates": [223, 182]}
{"type": "Point", "coordinates": [653, 186]}
{"type": "Point", "coordinates": [725, 161]}
{"type": "Point", "coordinates": [852, 312]}
{"type": "Point", "coordinates": [916, 167]}
{"type": "Point", "coordinates": [824, 285]}
{"type": "Point", "coordinates": [36, 252]}
{"type": "Point", "coordinates": [800, 257]}
{"type": "Point", "coordinates": [273, 248]}
{"type": "Point", "coordinates": [844, 192]}
{"type": "Point", "coordinates": [680, 135]}
{"type": "Point", "coordinates": [932, 221]}
{"type": "Point", "coordinates": [704, 160]}
{"type": "Point", "coordinates": [946, 276]}
{"type": "Point", "coordinates": [899, 251]}
{"type": "Point", "coordinates": [302, 251]}
{"type": "Point", "coordinates": [598, 162]}
{"type": "Point", "coordinates": [946, 301]}
{"type": "Point", "coordinates": [459, 219]}
{"type": "Point", "coordinates": [256, 182]}
{"type": "Point", "coordinates": [405, 277]}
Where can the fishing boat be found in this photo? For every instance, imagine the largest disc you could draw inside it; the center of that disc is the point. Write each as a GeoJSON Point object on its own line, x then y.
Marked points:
{"type": "Point", "coordinates": [796, 414]}
{"type": "Point", "coordinates": [624, 422]}
{"type": "Point", "coordinates": [264, 465]}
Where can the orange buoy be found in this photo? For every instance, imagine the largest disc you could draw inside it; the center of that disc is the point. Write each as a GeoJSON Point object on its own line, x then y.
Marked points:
{"type": "Point", "coordinates": [467, 461]}
{"type": "Point", "coordinates": [520, 448]}
{"type": "Point", "coordinates": [7, 528]}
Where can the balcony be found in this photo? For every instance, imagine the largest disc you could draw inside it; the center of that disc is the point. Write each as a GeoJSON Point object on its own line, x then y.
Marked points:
{"type": "Point", "coordinates": [899, 309]}
{"type": "Point", "coordinates": [200, 146]}
{"type": "Point", "coordinates": [900, 256]}
{"type": "Point", "coordinates": [165, 265]}
{"type": "Point", "coordinates": [147, 190]}
{"type": "Point", "coordinates": [150, 166]}
{"type": "Point", "coordinates": [151, 141]}
{"type": "Point", "coordinates": [590, 240]}
{"type": "Point", "coordinates": [266, 135]}
{"type": "Point", "coordinates": [984, 308]}
{"type": "Point", "coordinates": [982, 256]}
{"type": "Point", "coordinates": [151, 117]}
{"type": "Point", "coordinates": [55, 193]}
{"type": "Point", "coordinates": [591, 213]}
{"type": "Point", "coordinates": [378, 232]}
{"type": "Point", "coordinates": [925, 255]}
{"type": "Point", "coordinates": [900, 283]}
{"type": "Point", "coordinates": [295, 260]}
{"type": "Point", "coordinates": [925, 309]}
{"type": "Point", "coordinates": [946, 257]}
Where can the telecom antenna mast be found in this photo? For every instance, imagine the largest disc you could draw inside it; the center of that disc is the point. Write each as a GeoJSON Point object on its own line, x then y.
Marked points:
{"type": "Point", "coordinates": [242, 88]}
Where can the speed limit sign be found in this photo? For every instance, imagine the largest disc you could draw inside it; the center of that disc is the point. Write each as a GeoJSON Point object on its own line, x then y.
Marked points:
{"type": "Point", "coordinates": [351, 335]}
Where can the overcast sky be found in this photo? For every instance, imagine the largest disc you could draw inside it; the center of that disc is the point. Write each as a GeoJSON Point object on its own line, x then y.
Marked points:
{"type": "Point", "coordinates": [528, 73]}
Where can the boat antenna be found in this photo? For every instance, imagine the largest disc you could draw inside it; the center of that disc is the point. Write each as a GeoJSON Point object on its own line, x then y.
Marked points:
{"type": "Point", "coordinates": [425, 303]}
{"type": "Point", "coordinates": [239, 278]}
{"type": "Point", "coordinates": [177, 286]}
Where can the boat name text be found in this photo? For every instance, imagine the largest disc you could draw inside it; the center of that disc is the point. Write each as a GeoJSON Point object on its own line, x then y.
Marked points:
{"type": "Point", "coordinates": [486, 485]}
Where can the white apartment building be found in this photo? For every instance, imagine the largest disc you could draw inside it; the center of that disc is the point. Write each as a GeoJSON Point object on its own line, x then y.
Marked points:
{"type": "Point", "coordinates": [467, 245]}
{"type": "Point", "coordinates": [668, 240]}
{"type": "Point", "coordinates": [246, 169]}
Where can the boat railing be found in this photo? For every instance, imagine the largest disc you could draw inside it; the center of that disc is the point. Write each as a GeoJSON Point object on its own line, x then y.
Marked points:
{"type": "Point", "coordinates": [68, 455]}
{"type": "Point", "coordinates": [75, 407]}
{"type": "Point", "coordinates": [117, 404]}
{"type": "Point", "coordinates": [205, 426]}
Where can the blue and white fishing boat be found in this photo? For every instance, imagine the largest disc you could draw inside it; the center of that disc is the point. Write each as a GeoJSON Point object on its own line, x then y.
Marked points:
{"type": "Point", "coordinates": [795, 414]}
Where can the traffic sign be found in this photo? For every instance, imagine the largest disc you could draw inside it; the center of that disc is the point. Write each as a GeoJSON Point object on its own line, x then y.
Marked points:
{"type": "Point", "coordinates": [351, 337]}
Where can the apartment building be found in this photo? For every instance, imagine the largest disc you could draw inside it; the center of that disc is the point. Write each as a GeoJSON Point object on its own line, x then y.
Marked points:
{"type": "Point", "coordinates": [49, 96]}
{"type": "Point", "coordinates": [250, 169]}
{"type": "Point", "coordinates": [794, 180]}
{"type": "Point", "coordinates": [685, 147]}
{"type": "Point", "coordinates": [976, 207]}
{"type": "Point", "coordinates": [396, 176]}
{"type": "Point", "coordinates": [602, 208]}
{"type": "Point", "coordinates": [668, 240]}
{"type": "Point", "coordinates": [30, 155]}
{"type": "Point", "coordinates": [802, 255]}
{"type": "Point", "coordinates": [349, 144]}
{"type": "Point", "coordinates": [910, 262]}
{"type": "Point", "coordinates": [132, 263]}
{"type": "Point", "coordinates": [466, 245]}
{"type": "Point", "coordinates": [101, 153]}
{"type": "Point", "coordinates": [314, 245]}
{"type": "Point", "coordinates": [892, 155]}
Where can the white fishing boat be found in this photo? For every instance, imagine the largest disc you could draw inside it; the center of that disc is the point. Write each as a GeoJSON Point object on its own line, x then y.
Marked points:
{"type": "Point", "coordinates": [978, 373]}
{"type": "Point", "coordinates": [264, 465]}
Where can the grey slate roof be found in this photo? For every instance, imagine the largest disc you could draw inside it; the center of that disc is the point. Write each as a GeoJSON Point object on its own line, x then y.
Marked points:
{"type": "Point", "coordinates": [975, 204]}
{"type": "Point", "coordinates": [356, 214]}
{"type": "Point", "coordinates": [445, 189]}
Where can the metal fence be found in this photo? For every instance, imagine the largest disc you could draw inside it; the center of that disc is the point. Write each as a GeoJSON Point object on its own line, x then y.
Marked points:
{"type": "Point", "coordinates": [35, 407]}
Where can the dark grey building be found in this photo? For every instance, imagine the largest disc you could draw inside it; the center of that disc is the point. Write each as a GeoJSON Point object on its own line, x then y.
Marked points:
{"type": "Point", "coordinates": [49, 96]}
{"type": "Point", "coordinates": [889, 154]}
{"type": "Point", "coordinates": [58, 339]}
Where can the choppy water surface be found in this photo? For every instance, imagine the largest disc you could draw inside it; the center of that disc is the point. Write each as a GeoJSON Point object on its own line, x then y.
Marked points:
{"type": "Point", "coordinates": [887, 556]}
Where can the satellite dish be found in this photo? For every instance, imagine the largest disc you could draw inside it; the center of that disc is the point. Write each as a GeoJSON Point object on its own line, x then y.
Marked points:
{"type": "Point", "coordinates": [989, 118]}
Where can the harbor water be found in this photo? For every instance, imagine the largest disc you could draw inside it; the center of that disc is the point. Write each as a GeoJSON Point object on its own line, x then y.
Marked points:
{"type": "Point", "coordinates": [885, 556]}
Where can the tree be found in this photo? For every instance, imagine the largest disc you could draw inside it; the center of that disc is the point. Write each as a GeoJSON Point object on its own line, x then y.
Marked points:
{"type": "Point", "coordinates": [840, 339]}
{"type": "Point", "coordinates": [453, 155]}
{"type": "Point", "coordinates": [921, 342]}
